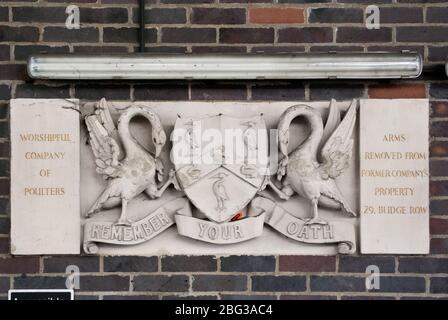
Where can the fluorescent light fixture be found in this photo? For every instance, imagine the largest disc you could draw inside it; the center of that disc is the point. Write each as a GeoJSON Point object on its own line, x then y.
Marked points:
{"type": "Point", "coordinates": [226, 67]}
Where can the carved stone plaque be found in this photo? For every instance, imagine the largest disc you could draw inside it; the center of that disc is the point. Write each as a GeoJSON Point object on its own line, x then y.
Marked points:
{"type": "Point", "coordinates": [45, 174]}
{"type": "Point", "coordinates": [394, 176]}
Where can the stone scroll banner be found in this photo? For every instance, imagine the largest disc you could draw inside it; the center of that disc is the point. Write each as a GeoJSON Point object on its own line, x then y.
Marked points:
{"type": "Point", "coordinates": [140, 231]}
{"type": "Point", "coordinates": [262, 211]}
{"type": "Point", "coordinates": [394, 175]}
{"type": "Point", "coordinates": [334, 232]}
{"type": "Point", "coordinates": [45, 176]}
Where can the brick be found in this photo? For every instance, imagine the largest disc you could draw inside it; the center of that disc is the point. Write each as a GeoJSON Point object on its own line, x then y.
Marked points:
{"type": "Point", "coordinates": [365, 297]}
{"type": "Point", "coordinates": [39, 14]}
{"type": "Point", "coordinates": [128, 35]}
{"type": "Point", "coordinates": [163, 49]}
{"type": "Point", "coordinates": [439, 109]}
{"type": "Point", "coordinates": [439, 285]}
{"type": "Point", "coordinates": [279, 91]}
{"type": "Point", "coordinates": [336, 15]}
{"type": "Point", "coordinates": [438, 226]}
{"type": "Point", "coordinates": [39, 282]}
{"type": "Point", "coordinates": [189, 35]}
{"type": "Point", "coordinates": [189, 263]}
{"type": "Point", "coordinates": [438, 168]}
{"type": "Point", "coordinates": [218, 91]}
{"type": "Point", "coordinates": [98, 91]}
{"type": "Point", "coordinates": [278, 49]}
{"type": "Point", "coordinates": [437, 53]}
{"type": "Point", "coordinates": [31, 90]}
{"type": "Point", "coordinates": [4, 14]}
{"type": "Point", "coordinates": [218, 49]}
{"type": "Point", "coordinates": [133, 2]}
{"type": "Point", "coordinates": [439, 188]}
{"type": "Point", "coordinates": [219, 283]}
{"type": "Point", "coordinates": [189, 297]}
{"type": "Point", "coordinates": [19, 34]}
{"type": "Point", "coordinates": [4, 183]}
{"type": "Point", "coordinates": [72, 1]}
{"type": "Point", "coordinates": [359, 264]}
{"type": "Point", "coordinates": [60, 263]}
{"type": "Point", "coordinates": [4, 202]}
{"type": "Point", "coordinates": [338, 91]}
{"type": "Point", "coordinates": [390, 91]}
{"type": "Point", "coordinates": [439, 246]}
{"type": "Point", "coordinates": [422, 34]}
{"type": "Point", "coordinates": [5, 91]}
{"type": "Point", "coordinates": [218, 16]}
{"type": "Point", "coordinates": [103, 15]}
{"type": "Point", "coordinates": [14, 265]}
{"type": "Point", "coordinates": [130, 264]}
{"type": "Point", "coordinates": [161, 15]}
{"type": "Point", "coordinates": [130, 297]}
{"type": "Point", "coordinates": [307, 263]}
{"type": "Point", "coordinates": [398, 48]}
{"type": "Point", "coordinates": [364, 35]}
{"type": "Point", "coordinates": [247, 297]}
{"type": "Point", "coordinates": [439, 129]}
{"type": "Point", "coordinates": [278, 15]}
{"type": "Point", "coordinates": [279, 283]}
{"type": "Point", "coordinates": [4, 285]}
{"type": "Point", "coordinates": [4, 53]}
{"type": "Point", "coordinates": [305, 35]}
{"type": "Point", "coordinates": [4, 225]}
{"type": "Point", "coordinates": [4, 245]}
{"type": "Point", "coordinates": [91, 49]}
{"type": "Point", "coordinates": [439, 90]}
{"type": "Point", "coordinates": [186, 1]}
{"type": "Point", "coordinates": [246, 35]}
{"type": "Point", "coordinates": [245, 1]}
{"type": "Point", "coordinates": [306, 297]}
{"type": "Point", "coordinates": [4, 165]}
{"type": "Point", "coordinates": [62, 34]}
{"type": "Point", "coordinates": [161, 283]}
{"type": "Point", "coordinates": [401, 15]}
{"type": "Point", "coordinates": [86, 296]}
{"type": "Point", "coordinates": [437, 15]}
{"type": "Point", "coordinates": [248, 264]}
{"type": "Point", "coordinates": [326, 48]}
{"type": "Point", "coordinates": [13, 72]}
{"type": "Point", "coordinates": [4, 152]}
{"type": "Point", "coordinates": [304, 1]}
{"type": "Point", "coordinates": [161, 91]}
{"type": "Point", "coordinates": [423, 265]}
{"type": "Point", "coordinates": [401, 284]}
{"type": "Point", "coordinates": [365, 1]}
{"type": "Point", "coordinates": [439, 207]}
{"type": "Point", "coordinates": [22, 52]}
{"type": "Point", "coordinates": [337, 283]}
{"type": "Point", "coordinates": [104, 283]}
{"type": "Point", "coordinates": [4, 114]}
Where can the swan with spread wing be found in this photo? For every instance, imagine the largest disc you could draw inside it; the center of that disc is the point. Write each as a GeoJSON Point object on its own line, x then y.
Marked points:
{"type": "Point", "coordinates": [311, 173]}
{"type": "Point", "coordinates": [124, 163]}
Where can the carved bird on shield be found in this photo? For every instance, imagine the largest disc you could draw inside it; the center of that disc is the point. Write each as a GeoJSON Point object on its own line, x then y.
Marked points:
{"type": "Point", "coordinates": [219, 190]}
{"type": "Point", "coordinates": [311, 173]}
{"type": "Point", "coordinates": [124, 163]}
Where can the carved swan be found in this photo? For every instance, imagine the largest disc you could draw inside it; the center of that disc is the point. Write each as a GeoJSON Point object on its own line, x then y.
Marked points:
{"type": "Point", "coordinates": [305, 174]}
{"type": "Point", "coordinates": [128, 174]}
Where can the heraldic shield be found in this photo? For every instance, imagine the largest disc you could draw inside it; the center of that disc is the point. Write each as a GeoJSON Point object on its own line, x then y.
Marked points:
{"type": "Point", "coordinates": [221, 162]}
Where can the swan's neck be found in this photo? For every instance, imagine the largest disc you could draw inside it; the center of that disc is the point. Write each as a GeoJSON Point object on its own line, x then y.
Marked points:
{"type": "Point", "coordinates": [131, 147]}
{"type": "Point", "coordinates": [308, 149]}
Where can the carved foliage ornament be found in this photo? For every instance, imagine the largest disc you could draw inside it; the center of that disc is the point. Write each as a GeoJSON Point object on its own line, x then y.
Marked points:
{"type": "Point", "coordinates": [221, 176]}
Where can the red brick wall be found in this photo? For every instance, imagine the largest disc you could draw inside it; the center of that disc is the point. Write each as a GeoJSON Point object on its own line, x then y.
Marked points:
{"type": "Point", "coordinates": [178, 26]}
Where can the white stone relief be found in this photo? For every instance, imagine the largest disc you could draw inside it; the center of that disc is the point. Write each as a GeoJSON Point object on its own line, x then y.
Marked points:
{"type": "Point", "coordinates": [222, 173]}
{"type": "Point", "coordinates": [205, 178]}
